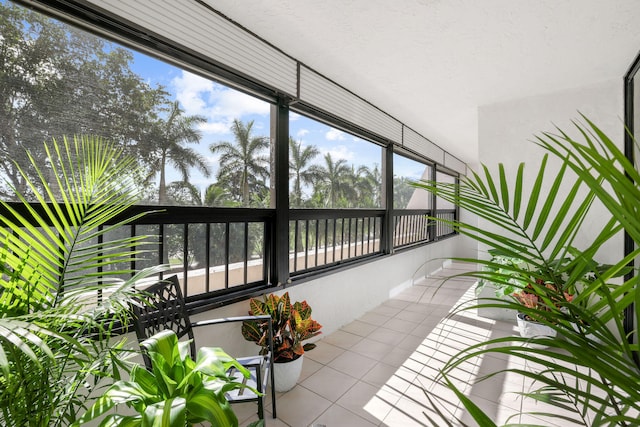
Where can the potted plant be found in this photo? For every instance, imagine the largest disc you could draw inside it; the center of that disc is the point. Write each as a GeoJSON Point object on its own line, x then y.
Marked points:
{"type": "Point", "coordinates": [514, 214]}
{"type": "Point", "coordinates": [292, 324]}
{"type": "Point", "coordinates": [55, 344]}
{"type": "Point", "coordinates": [178, 391]}
{"type": "Point", "coordinates": [542, 289]}
{"type": "Point", "coordinates": [534, 289]}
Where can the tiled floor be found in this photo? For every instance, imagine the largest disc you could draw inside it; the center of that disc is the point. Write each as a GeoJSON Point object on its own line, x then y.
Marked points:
{"type": "Point", "coordinates": [379, 369]}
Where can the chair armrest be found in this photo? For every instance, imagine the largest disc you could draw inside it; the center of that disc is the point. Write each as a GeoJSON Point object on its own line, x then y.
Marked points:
{"type": "Point", "coordinates": [230, 320]}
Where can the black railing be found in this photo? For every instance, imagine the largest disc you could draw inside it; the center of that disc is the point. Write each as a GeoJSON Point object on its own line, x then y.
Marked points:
{"type": "Point", "coordinates": [443, 229]}
{"type": "Point", "coordinates": [322, 238]}
{"type": "Point", "coordinates": [220, 251]}
{"type": "Point", "coordinates": [212, 250]}
{"type": "Point", "coordinates": [411, 226]}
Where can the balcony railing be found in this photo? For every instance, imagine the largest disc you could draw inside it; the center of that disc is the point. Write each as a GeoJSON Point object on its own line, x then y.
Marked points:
{"type": "Point", "coordinates": [410, 227]}
{"type": "Point", "coordinates": [325, 238]}
{"type": "Point", "coordinates": [442, 229]}
{"type": "Point", "coordinates": [212, 250]}
{"type": "Point", "coordinates": [219, 251]}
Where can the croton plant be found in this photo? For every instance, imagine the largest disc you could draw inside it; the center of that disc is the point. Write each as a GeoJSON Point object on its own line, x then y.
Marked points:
{"type": "Point", "coordinates": [292, 324]}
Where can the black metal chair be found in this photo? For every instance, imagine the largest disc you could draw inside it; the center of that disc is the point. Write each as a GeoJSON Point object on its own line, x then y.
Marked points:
{"type": "Point", "coordinates": [165, 309]}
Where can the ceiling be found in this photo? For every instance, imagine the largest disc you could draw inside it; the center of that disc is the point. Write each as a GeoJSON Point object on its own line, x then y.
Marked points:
{"type": "Point", "coordinates": [432, 63]}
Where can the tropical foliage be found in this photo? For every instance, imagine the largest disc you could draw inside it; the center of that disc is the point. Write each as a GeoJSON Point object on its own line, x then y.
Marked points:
{"type": "Point", "coordinates": [58, 309]}
{"type": "Point", "coordinates": [169, 138]}
{"type": "Point", "coordinates": [57, 80]}
{"type": "Point", "coordinates": [301, 169]}
{"type": "Point", "coordinates": [593, 373]}
{"type": "Point", "coordinates": [244, 166]}
{"type": "Point", "coordinates": [292, 324]}
{"type": "Point", "coordinates": [177, 392]}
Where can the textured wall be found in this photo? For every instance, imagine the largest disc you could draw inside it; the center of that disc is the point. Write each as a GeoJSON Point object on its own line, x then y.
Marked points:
{"type": "Point", "coordinates": [506, 131]}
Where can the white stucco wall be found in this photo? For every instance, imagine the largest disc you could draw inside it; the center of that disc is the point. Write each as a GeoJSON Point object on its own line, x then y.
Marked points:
{"type": "Point", "coordinates": [506, 131]}
{"type": "Point", "coordinates": [339, 298]}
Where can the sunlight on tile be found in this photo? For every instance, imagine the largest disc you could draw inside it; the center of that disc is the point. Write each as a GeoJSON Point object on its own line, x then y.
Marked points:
{"type": "Point", "coordinates": [383, 369]}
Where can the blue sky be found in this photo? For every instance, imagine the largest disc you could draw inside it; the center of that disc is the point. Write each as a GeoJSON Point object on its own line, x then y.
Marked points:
{"type": "Point", "coordinates": [221, 105]}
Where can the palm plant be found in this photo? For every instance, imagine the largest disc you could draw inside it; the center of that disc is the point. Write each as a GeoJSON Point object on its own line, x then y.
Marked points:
{"type": "Point", "coordinates": [243, 165]}
{"type": "Point", "coordinates": [215, 195]}
{"type": "Point", "coordinates": [61, 292]}
{"type": "Point", "coordinates": [364, 186]}
{"type": "Point", "coordinates": [593, 371]}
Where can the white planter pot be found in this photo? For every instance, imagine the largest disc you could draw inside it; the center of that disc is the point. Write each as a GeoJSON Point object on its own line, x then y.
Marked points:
{"type": "Point", "coordinates": [287, 374]}
{"type": "Point", "coordinates": [591, 337]}
{"type": "Point", "coordinates": [530, 329]}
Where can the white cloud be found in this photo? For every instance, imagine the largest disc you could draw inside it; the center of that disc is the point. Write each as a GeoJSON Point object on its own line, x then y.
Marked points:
{"type": "Point", "coordinates": [302, 132]}
{"type": "Point", "coordinates": [219, 104]}
{"type": "Point", "coordinates": [335, 135]}
{"type": "Point", "coordinates": [339, 152]}
{"type": "Point", "coordinates": [189, 91]}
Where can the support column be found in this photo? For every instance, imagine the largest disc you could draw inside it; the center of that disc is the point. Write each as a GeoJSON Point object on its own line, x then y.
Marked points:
{"type": "Point", "coordinates": [386, 240]}
{"type": "Point", "coordinates": [279, 272]}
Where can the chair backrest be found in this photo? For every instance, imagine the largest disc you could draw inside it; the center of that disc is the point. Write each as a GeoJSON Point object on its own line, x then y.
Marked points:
{"type": "Point", "coordinates": [164, 308]}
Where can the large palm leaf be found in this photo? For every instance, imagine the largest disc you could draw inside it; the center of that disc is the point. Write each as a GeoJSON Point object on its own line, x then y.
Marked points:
{"type": "Point", "coordinates": [62, 286]}
{"type": "Point", "coordinates": [595, 375]}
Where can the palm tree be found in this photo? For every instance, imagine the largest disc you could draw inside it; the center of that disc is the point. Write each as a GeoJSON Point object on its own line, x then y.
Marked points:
{"type": "Point", "coordinates": [171, 135]}
{"type": "Point", "coordinates": [334, 176]}
{"type": "Point", "coordinates": [243, 165]}
{"type": "Point", "coordinates": [300, 170]}
{"type": "Point", "coordinates": [365, 186]}
{"type": "Point", "coordinates": [374, 180]}
{"type": "Point", "coordinates": [216, 195]}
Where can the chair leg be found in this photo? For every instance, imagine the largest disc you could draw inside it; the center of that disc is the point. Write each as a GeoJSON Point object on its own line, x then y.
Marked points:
{"type": "Point", "coordinates": [259, 387]}
{"type": "Point", "coordinates": [273, 390]}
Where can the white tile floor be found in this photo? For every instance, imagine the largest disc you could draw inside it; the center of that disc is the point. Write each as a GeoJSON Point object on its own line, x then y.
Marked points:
{"type": "Point", "coordinates": [379, 369]}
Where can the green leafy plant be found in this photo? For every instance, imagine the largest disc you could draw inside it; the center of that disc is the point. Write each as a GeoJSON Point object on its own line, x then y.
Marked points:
{"type": "Point", "coordinates": [58, 310]}
{"type": "Point", "coordinates": [593, 372]}
{"type": "Point", "coordinates": [292, 324]}
{"type": "Point", "coordinates": [177, 392]}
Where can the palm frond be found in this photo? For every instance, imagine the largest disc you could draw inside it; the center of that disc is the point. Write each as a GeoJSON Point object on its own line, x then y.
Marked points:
{"type": "Point", "coordinates": [63, 256]}
{"type": "Point", "coordinates": [592, 372]}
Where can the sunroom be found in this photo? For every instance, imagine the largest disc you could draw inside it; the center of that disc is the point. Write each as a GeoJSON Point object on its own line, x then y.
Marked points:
{"type": "Point", "coordinates": [278, 144]}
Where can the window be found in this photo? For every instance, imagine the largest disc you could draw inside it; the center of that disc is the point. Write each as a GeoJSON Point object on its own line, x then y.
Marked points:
{"type": "Point", "coordinates": [406, 171]}
{"type": "Point", "coordinates": [411, 205]}
{"type": "Point", "coordinates": [197, 142]}
{"type": "Point", "coordinates": [205, 151]}
{"type": "Point", "coordinates": [330, 168]}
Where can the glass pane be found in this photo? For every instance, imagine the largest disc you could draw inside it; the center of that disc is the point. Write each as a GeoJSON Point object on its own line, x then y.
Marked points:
{"type": "Point", "coordinates": [446, 178]}
{"type": "Point", "coordinates": [406, 171]}
{"type": "Point", "coordinates": [113, 235]}
{"type": "Point", "coordinates": [256, 252]}
{"type": "Point", "coordinates": [330, 168]}
{"type": "Point", "coordinates": [187, 132]}
{"type": "Point", "coordinates": [197, 259]}
{"type": "Point", "coordinates": [149, 256]}
{"type": "Point", "coordinates": [174, 250]}
{"type": "Point", "coordinates": [217, 256]}
{"type": "Point", "coordinates": [237, 245]}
